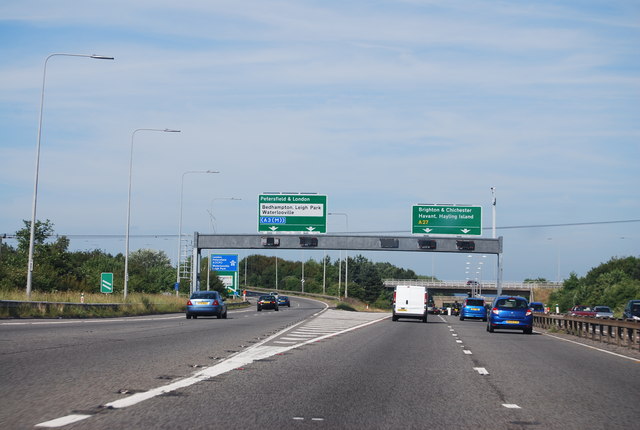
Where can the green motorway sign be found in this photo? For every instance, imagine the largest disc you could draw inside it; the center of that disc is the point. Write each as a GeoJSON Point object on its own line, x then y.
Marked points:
{"type": "Point", "coordinates": [447, 219]}
{"type": "Point", "coordinates": [292, 213]}
{"type": "Point", "coordinates": [106, 282]}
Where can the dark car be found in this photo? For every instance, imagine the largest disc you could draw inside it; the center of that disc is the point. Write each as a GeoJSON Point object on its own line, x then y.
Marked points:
{"type": "Point", "coordinates": [267, 302]}
{"type": "Point", "coordinates": [537, 307]}
{"type": "Point", "coordinates": [206, 303]}
{"type": "Point", "coordinates": [511, 313]}
{"type": "Point", "coordinates": [473, 308]}
{"type": "Point", "coordinates": [632, 310]}
{"type": "Point", "coordinates": [284, 301]}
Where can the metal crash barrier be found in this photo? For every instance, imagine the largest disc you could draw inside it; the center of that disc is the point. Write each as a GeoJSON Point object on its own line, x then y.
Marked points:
{"type": "Point", "coordinates": [618, 332]}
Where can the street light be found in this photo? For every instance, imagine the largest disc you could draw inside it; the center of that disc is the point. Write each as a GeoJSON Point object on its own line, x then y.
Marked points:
{"type": "Point", "coordinates": [126, 240]}
{"type": "Point", "coordinates": [346, 255]}
{"type": "Point", "coordinates": [212, 217]}
{"type": "Point", "coordinates": [180, 222]}
{"type": "Point", "coordinates": [35, 186]}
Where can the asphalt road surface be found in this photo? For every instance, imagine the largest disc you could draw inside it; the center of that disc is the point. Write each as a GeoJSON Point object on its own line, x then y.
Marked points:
{"type": "Point", "coordinates": [305, 367]}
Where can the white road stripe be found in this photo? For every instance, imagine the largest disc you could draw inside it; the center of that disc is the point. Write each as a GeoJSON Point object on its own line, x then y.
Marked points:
{"type": "Point", "coordinates": [511, 406]}
{"type": "Point", "coordinates": [481, 370]}
{"type": "Point", "coordinates": [63, 421]}
{"type": "Point", "coordinates": [466, 351]}
{"type": "Point", "coordinates": [593, 347]}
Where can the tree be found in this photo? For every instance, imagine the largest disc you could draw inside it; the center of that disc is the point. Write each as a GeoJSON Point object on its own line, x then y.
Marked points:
{"type": "Point", "coordinates": [42, 231]}
{"type": "Point", "coordinates": [150, 271]}
{"type": "Point", "coordinates": [612, 283]}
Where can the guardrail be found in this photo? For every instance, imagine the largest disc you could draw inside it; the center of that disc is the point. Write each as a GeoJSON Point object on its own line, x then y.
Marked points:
{"type": "Point", "coordinates": [608, 330]}
{"type": "Point", "coordinates": [46, 306]}
{"type": "Point", "coordinates": [463, 284]}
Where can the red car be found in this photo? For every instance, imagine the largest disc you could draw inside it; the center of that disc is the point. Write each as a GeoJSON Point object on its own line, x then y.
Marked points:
{"type": "Point", "coordinates": [582, 311]}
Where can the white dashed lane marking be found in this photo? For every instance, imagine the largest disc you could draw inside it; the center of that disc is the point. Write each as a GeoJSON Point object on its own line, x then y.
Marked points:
{"type": "Point", "coordinates": [481, 370]}
{"type": "Point", "coordinates": [63, 421]}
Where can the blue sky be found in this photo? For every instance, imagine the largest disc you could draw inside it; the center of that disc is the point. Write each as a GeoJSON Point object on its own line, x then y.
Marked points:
{"type": "Point", "coordinates": [379, 105]}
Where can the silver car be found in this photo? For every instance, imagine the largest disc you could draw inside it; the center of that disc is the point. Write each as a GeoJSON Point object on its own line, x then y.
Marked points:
{"type": "Point", "coordinates": [603, 312]}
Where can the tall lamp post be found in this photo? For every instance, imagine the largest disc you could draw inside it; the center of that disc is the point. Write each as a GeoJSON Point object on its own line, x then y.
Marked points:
{"type": "Point", "coordinates": [126, 240]}
{"type": "Point", "coordinates": [35, 186]}
{"type": "Point", "coordinates": [346, 255]}
{"type": "Point", "coordinates": [180, 222]}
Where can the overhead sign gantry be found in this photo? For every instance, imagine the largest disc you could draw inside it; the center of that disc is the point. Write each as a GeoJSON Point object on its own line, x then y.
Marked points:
{"type": "Point", "coordinates": [340, 242]}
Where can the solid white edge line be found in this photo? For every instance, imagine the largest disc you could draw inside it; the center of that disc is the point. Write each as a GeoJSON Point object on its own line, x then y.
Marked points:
{"type": "Point", "coordinates": [63, 421]}
{"type": "Point", "coordinates": [592, 347]}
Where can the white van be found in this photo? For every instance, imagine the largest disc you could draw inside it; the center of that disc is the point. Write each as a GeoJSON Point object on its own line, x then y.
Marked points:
{"type": "Point", "coordinates": [410, 301]}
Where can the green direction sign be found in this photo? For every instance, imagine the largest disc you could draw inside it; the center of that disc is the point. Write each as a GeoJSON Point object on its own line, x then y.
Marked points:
{"type": "Point", "coordinates": [292, 213]}
{"type": "Point", "coordinates": [230, 281]}
{"type": "Point", "coordinates": [106, 283]}
{"type": "Point", "coordinates": [447, 219]}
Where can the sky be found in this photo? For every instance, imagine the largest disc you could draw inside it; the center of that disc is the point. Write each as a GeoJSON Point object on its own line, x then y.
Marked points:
{"type": "Point", "coordinates": [379, 105]}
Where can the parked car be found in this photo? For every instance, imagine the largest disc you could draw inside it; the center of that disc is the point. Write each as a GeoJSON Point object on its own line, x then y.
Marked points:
{"type": "Point", "coordinates": [582, 311]}
{"type": "Point", "coordinates": [603, 312]}
{"type": "Point", "coordinates": [473, 308]}
{"type": "Point", "coordinates": [632, 310]}
{"type": "Point", "coordinates": [537, 307]}
{"type": "Point", "coordinates": [284, 301]}
{"type": "Point", "coordinates": [206, 303]}
{"type": "Point", "coordinates": [511, 313]}
{"type": "Point", "coordinates": [267, 302]}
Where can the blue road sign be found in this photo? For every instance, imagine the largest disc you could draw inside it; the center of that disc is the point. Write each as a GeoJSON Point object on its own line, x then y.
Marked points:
{"type": "Point", "coordinates": [224, 262]}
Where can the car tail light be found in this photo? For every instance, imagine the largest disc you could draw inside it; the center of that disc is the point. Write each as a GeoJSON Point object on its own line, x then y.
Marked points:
{"type": "Point", "coordinates": [426, 299]}
{"type": "Point", "coordinates": [495, 311]}
{"type": "Point", "coordinates": [528, 312]}
{"type": "Point", "coordinates": [215, 303]}
{"type": "Point", "coordinates": [394, 297]}
{"type": "Point", "coordinates": [189, 303]}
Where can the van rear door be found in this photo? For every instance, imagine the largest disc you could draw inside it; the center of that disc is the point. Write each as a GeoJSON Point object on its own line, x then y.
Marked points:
{"type": "Point", "coordinates": [410, 302]}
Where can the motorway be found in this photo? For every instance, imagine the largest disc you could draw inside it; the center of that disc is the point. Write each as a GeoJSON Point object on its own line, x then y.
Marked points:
{"type": "Point", "coordinates": [305, 367]}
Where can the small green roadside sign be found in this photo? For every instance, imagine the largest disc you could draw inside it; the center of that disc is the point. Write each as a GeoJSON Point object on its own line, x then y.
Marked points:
{"type": "Point", "coordinates": [292, 213]}
{"type": "Point", "coordinates": [446, 219]}
{"type": "Point", "coordinates": [106, 283]}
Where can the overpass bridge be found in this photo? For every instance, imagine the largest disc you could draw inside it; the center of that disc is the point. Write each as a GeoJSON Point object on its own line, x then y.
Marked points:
{"type": "Point", "coordinates": [452, 288]}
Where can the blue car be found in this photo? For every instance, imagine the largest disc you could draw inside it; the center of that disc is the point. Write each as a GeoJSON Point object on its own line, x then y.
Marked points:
{"type": "Point", "coordinates": [206, 303]}
{"type": "Point", "coordinates": [511, 313]}
{"type": "Point", "coordinates": [284, 301]}
{"type": "Point", "coordinates": [473, 308]}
